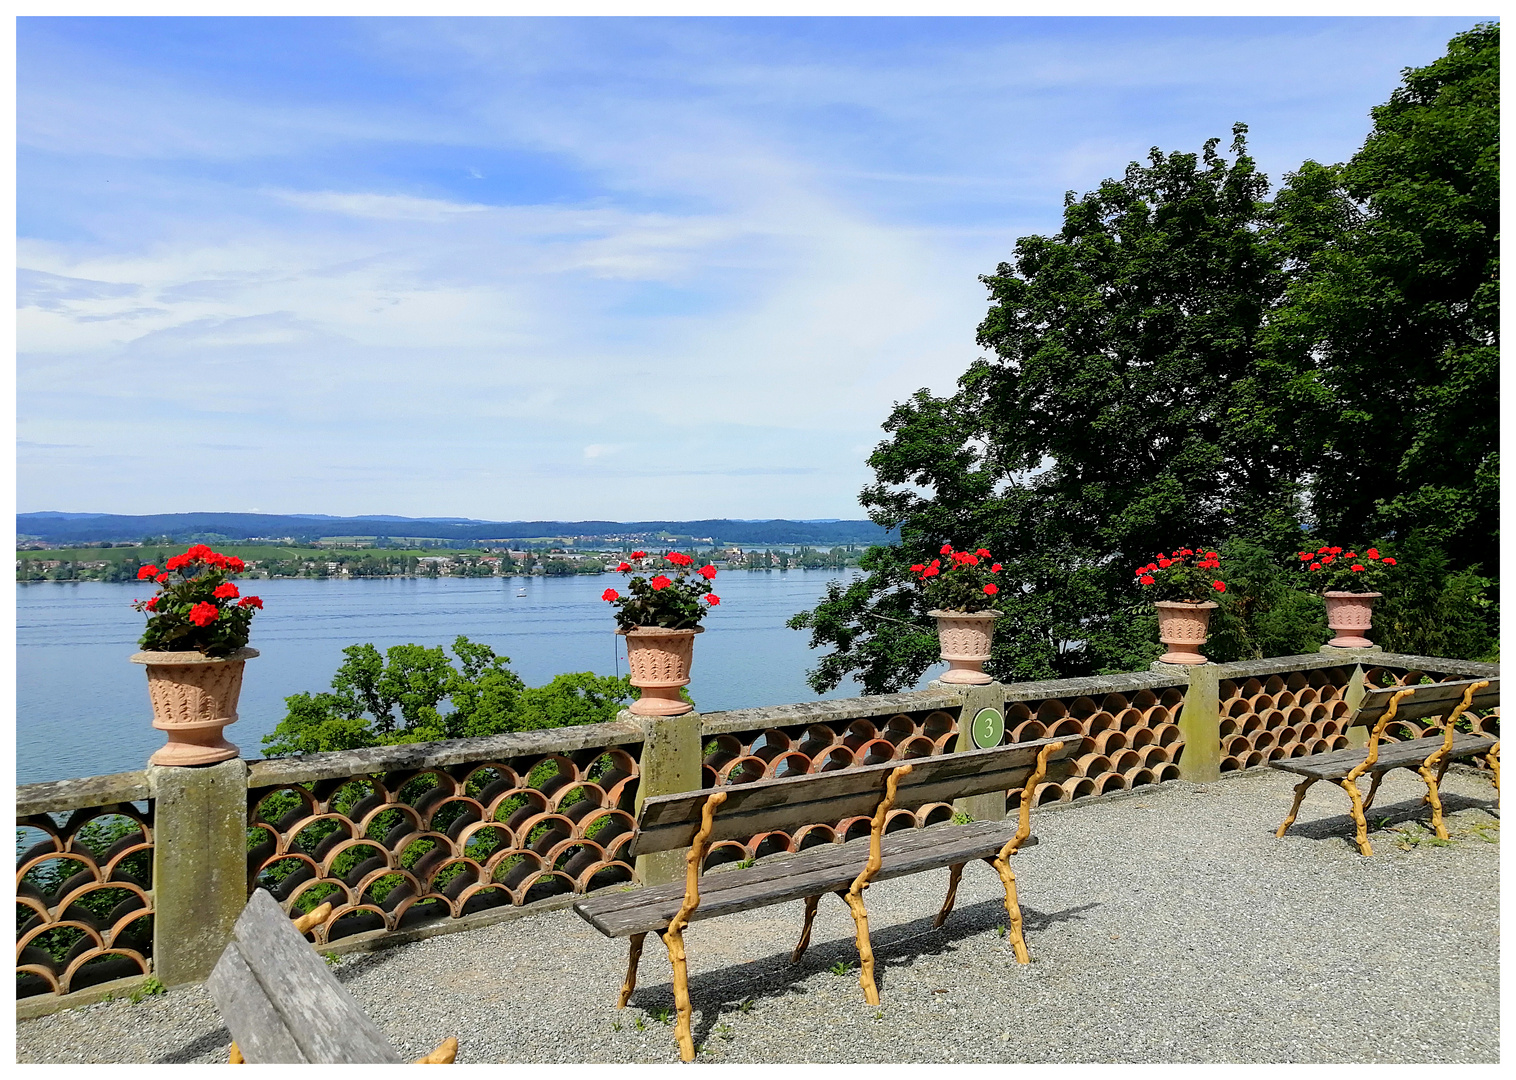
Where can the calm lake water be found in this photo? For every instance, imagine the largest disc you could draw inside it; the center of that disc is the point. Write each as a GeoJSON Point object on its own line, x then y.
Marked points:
{"type": "Point", "coordinates": [82, 708]}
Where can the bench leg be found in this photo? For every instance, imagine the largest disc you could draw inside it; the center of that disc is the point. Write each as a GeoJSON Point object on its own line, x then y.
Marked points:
{"type": "Point", "coordinates": [1351, 787]}
{"type": "Point", "coordinates": [1492, 759]}
{"type": "Point", "coordinates": [1430, 779]}
{"type": "Point", "coordinates": [865, 950]}
{"type": "Point", "coordinates": [1373, 790]}
{"type": "Point", "coordinates": [805, 934]}
{"type": "Point", "coordinates": [1002, 865]}
{"type": "Point", "coordinates": [674, 939]}
{"type": "Point", "coordinates": [633, 956]}
{"type": "Point", "coordinates": [954, 873]}
{"type": "Point", "coordinates": [1300, 790]}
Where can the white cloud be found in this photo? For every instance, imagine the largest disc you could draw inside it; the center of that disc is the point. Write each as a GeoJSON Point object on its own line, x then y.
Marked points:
{"type": "Point", "coordinates": [382, 207]}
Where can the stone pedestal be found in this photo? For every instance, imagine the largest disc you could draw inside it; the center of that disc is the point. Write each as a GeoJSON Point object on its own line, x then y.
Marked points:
{"type": "Point", "coordinates": [670, 765]}
{"type": "Point", "coordinates": [1200, 723]}
{"type": "Point", "coordinates": [199, 865]}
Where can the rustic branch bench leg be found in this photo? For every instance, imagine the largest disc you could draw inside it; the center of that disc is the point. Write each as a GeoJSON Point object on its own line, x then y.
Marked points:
{"type": "Point", "coordinates": [805, 933]}
{"type": "Point", "coordinates": [1350, 785]}
{"type": "Point", "coordinates": [1002, 867]}
{"type": "Point", "coordinates": [854, 895]}
{"type": "Point", "coordinates": [1002, 862]}
{"type": "Point", "coordinates": [1373, 790]}
{"type": "Point", "coordinates": [1432, 796]}
{"type": "Point", "coordinates": [673, 937]}
{"type": "Point", "coordinates": [1492, 759]}
{"type": "Point", "coordinates": [954, 873]}
{"type": "Point", "coordinates": [1300, 790]}
{"type": "Point", "coordinates": [634, 954]}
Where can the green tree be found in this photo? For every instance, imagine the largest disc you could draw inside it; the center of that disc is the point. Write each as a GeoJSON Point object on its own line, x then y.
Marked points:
{"type": "Point", "coordinates": [399, 697]}
{"type": "Point", "coordinates": [1129, 408]}
{"type": "Point", "coordinates": [1395, 300]}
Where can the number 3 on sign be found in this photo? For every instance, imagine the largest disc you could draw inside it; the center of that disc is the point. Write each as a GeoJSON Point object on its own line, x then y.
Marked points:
{"type": "Point", "coordinates": [987, 729]}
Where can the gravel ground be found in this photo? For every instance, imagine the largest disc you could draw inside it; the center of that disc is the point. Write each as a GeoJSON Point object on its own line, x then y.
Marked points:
{"type": "Point", "coordinates": [1165, 925]}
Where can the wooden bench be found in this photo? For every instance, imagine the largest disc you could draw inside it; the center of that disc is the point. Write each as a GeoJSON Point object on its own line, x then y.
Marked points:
{"type": "Point", "coordinates": [1429, 756]}
{"type": "Point", "coordinates": [692, 820]}
{"type": "Point", "coordinates": [282, 1004]}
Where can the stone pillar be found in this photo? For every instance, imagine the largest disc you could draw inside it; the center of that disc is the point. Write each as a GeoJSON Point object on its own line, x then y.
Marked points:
{"type": "Point", "coordinates": [991, 805]}
{"type": "Point", "coordinates": [1200, 724]}
{"type": "Point", "coordinates": [199, 865]}
{"type": "Point", "coordinates": [670, 764]}
{"type": "Point", "coordinates": [1353, 695]}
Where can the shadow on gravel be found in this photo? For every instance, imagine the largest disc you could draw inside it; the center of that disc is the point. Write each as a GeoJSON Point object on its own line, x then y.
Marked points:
{"type": "Point", "coordinates": [1341, 826]}
{"type": "Point", "coordinates": [220, 1039]}
{"type": "Point", "coordinates": [716, 994]}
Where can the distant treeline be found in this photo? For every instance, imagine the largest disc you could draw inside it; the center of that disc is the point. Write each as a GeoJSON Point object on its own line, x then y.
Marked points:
{"type": "Point", "coordinates": [61, 529]}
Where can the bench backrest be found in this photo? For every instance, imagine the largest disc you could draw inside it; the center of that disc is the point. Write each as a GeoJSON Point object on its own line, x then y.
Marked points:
{"type": "Point", "coordinates": [1429, 699]}
{"type": "Point", "coordinates": [280, 1001]}
{"type": "Point", "coordinates": [670, 821]}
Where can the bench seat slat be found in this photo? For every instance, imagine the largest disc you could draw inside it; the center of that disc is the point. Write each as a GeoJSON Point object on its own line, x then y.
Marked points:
{"type": "Point", "coordinates": [1338, 763]}
{"type": "Point", "coordinates": [780, 878]}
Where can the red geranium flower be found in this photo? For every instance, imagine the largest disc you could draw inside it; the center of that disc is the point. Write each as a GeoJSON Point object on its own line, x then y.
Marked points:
{"type": "Point", "coordinates": [918, 568]}
{"type": "Point", "coordinates": [1219, 586]}
{"type": "Point", "coordinates": [624, 566]}
{"type": "Point", "coordinates": [203, 614]}
{"type": "Point", "coordinates": [708, 572]}
{"type": "Point", "coordinates": [678, 558]}
{"type": "Point", "coordinates": [991, 589]}
{"type": "Point", "coordinates": [250, 601]}
{"type": "Point", "coordinates": [1356, 566]}
{"type": "Point", "coordinates": [995, 569]}
{"type": "Point", "coordinates": [225, 591]}
{"type": "Point", "coordinates": [161, 578]}
{"type": "Point", "coordinates": [1315, 566]}
{"type": "Point", "coordinates": [609, 595]}
{"type": "Point", "coordinates": [639, 554]}
{"type": "Point", "coordinates": [176, 561]}
{"type": "Point", "coordinates": [982, 553]}
{"type": "Point", "coordinates": [712, 599]}
{"type": "Point", "coordinates": [1388, 562]}
{"type": "Point", "coordinates": [1146, 579]}
{"type": "Point", "coordinates": [660, 582]}
{"type": "Point", "coordinates": [947, 549]}
{"type": "Point", "coordinates": [152, 605]}
{"type": "Point", "coordinates": [146, 572]}
{"type": "Point", "coordinates": [1372, 553]}
{"type": "Point", "coordinates": [1165, 563]}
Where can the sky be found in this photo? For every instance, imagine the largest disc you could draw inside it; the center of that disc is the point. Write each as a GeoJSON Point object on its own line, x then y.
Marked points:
{"type": "Point", "coordinates": [539, 268]}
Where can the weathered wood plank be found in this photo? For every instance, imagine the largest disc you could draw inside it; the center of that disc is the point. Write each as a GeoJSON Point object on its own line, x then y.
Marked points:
{"type": "Point", "coordinates": [669, 821]}
{"type": "Point", "coordinates": [1432, 699]}
{"type": "Point", "coordinates": [256, 1025]}
{"type": "Point", "coordinates": [794, 876]}
{"type": "Point", "coordinates": [327, 1024]}
{"type": "Point", "coordinates": [1398, 755]}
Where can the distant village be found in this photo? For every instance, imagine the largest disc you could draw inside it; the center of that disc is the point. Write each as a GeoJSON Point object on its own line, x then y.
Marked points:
{"type": "Point", "coordinates": [362, 558]}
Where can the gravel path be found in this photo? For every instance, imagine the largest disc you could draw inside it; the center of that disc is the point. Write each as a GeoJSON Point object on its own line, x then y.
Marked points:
{"type": "Point", "coordinates": [1166, 925]}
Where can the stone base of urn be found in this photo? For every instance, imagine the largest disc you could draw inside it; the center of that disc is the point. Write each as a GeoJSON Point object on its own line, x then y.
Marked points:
{"type": "Point", "coordinates": [1350, 614]}
{"type": "Point", "coordinates": [965, 640]}
{"type": "Point", "coordinates": [1182, 627]}
{"type": "Point", "coordinates": [659, 660]}
{"type": "Point", "coordinates": [194, 698]}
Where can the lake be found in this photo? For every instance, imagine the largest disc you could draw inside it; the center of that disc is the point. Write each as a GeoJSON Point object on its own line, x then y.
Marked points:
{"type": "Point", "coordinates": [82, 708]}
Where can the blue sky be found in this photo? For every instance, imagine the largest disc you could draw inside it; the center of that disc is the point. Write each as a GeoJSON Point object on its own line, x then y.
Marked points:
{"type": "Point", "coordinates": [573, 268]}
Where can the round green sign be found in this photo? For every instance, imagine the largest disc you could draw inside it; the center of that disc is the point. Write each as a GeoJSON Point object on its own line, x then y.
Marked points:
{"type": "Point", "coordinates": [988, 728]}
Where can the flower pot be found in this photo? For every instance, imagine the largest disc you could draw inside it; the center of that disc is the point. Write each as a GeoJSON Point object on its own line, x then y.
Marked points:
{"type": "Point", "coordinates": [194, 697]}
{"type": "Point", "coordinates": [660, 662]}
{"type": "Point", "coordinates": [1350, 614]}
{"type": "Point", "coordinates": [965, 640]}
{"type": "Point", "coordinates": [1182, 627]}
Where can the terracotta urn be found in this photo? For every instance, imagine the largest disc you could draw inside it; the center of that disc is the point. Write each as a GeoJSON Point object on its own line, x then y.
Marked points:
{"type": "Point", "coordinates": [1350, 614]}
{"type": "Point", "coordinates": [965, 640]}
{"type": "Point", "coordinates": [194, 698]}
{"type": "Point", "coordinates": [1182, 626]}
{"type": "Point", "coordinates": [660, 662]}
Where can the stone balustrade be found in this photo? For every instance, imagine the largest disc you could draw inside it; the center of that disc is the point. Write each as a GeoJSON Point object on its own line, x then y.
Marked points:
{"type": "Point", "coordinates": [142, 873]}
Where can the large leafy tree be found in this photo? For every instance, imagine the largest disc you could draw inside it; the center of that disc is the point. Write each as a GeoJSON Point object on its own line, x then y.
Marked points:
{"type": "Point", "coordinates": [413, 693]}
{"type": "Point", "coordinates": [1128, 409]}
{"type": "Point", "coordinates": [1396, 303]}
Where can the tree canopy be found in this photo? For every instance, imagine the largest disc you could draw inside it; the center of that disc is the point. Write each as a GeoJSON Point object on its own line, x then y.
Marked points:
{"type": "Point", "coordinates": [399, 698]}
{"type": "Point", "coordinates": [1188, 362]}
